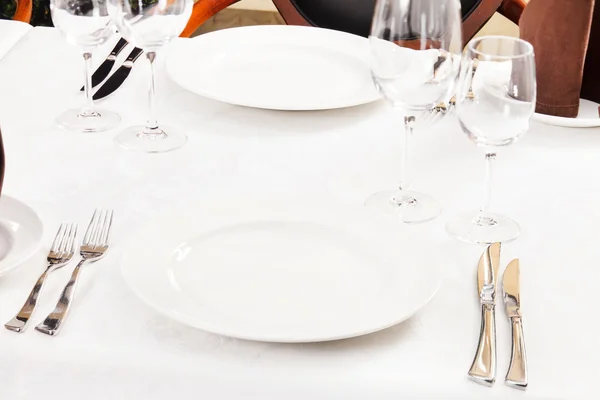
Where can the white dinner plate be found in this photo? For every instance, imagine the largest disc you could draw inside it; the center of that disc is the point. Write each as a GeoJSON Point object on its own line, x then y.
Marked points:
{"type": "Point", "coordinates": [587, 118]}
{"type": "Point", "coordinates": [20, 233]}
{"type": "Point", "coordinates": [276, 67]}
{"type": "Point", "coordinates": [283, 273]}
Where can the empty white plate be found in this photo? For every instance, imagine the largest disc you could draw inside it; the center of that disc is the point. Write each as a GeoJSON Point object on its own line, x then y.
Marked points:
{"type": "Point", "coordinates": [587, 118]}
{"type": "Point", "coordinates": [276, 67]}
{"type": "Point", "coordinates": [282, 273]}
{"type": "Point", "coordinates": [20, 233]}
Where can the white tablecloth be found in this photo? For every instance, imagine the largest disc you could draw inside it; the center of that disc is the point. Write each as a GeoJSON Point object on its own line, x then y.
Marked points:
{"type": "Point", "coordinates": [114, 347]}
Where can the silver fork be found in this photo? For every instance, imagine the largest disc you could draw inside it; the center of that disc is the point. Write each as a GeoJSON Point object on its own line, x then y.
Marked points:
{"type": "Point", "coordinates": [432, 116]}
{"type": "Point", "coordinates": [60, 254]}
{"type": "Point", "coordinates": [93, 248]}
{"type": "Point", "coordinates": [443, 109]}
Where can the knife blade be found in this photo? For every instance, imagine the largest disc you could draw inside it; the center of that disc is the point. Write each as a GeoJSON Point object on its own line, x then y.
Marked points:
{"type": "Point", "coordinates": [517, 371]}
{"type": "Point", "coordinates": [117, 79]}
{"type": "Point", "coordinates": [483, 368]}
{"type": "Point", "coordinates": [104, 69]}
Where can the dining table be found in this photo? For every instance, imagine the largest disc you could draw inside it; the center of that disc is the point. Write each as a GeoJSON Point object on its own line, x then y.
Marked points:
{"type": "Point", "coordinates": [116, 347]}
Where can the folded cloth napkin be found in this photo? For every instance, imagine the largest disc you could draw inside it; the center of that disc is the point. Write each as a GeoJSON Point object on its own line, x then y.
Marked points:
{"type": "Point", "coordinates": [565, 35]}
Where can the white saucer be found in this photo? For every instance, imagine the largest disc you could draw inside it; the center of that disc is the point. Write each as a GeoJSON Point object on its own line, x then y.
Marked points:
{"type": "Point", "coordinates": [587, 118]}
{"type": "Point", "coordinates": [283, 272]}
{"type": "Point", "coordinates": [21, 233]}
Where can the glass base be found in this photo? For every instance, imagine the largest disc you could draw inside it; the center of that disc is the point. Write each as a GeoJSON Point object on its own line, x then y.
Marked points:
{"type": "Point", "coordinates": [409, 207]}
{"type": "Point", "coordinates": [95, 121]}
{"type": "Point", "coordinates": [140, 138]}
{"type": "Point", "coordinates": [486, 230]}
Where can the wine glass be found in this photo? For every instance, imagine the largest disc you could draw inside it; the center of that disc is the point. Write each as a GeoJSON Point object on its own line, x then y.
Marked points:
{"type": "Point", "coordinates": [494, 107]}
{"type": "Point", "coordinates": [415, 59]}
{"type": "Point", "coordinates": [86, 24]}
{"type": "Point", "coordinates": [150, 24]}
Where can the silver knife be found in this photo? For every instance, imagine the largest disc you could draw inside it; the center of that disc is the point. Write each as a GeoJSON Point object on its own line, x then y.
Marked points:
{"type": "Point", "coordinates": [517, 371]}
{"type": "Point", "coordinates": [483, 369]}
{"type": "Point", "coordinates": [117, 79]}
{"type": "Point", "coordinates": [104, 69]}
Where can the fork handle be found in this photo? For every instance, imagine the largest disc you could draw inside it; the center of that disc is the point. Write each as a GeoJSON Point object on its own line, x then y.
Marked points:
{"type": "Point", "coordinates": [17, 324]}
{"type": "Point", "coordinates": [53, 322]}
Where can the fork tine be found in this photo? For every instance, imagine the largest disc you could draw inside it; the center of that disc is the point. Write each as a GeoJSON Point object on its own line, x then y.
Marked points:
{"type": "Point", "coordinates": [428, 117]}
{"type": "Point", "coordinates": [90, 229]}
{"type": "Point", "coordinates": [438, 119]}
{"type": "Point", "coordinates": [432, 115]}
{"type": "Point", "coordinates": [72, 235]}
{"type": "Point", "coordinates": [98, 228]}
{"type": "Point", "coordinates": [437, 115]}
{"type": "Point", "coordinates": [106, 228]}
{"type": "Point", "coordinates": [65, 239]}
{"type": "Point", "coordinates": [56, 242]}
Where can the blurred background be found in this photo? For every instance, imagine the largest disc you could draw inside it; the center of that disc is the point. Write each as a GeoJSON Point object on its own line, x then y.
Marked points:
{"type": "Point", "coordinates": [263, 12]}
{"type": "Point", "coordinates": [245, 12]}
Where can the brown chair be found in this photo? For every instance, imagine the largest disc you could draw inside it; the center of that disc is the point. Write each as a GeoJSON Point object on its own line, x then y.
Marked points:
{"type": "Point", "coordinates": [354, 16]}
{"type": "Point", "coordinates": [512, 9]}
{"type": "Point", "coordinates": [23, 11]}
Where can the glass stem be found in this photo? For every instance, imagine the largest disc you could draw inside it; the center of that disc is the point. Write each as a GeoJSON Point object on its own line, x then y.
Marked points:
{"type": "Point", "coordinates": [151, 123]}
{"type": "Point", "coordinates": [89, 107]}
{"type": "Point", "coordinates": [483, 210]}
{"type": "Point", "coordinates": [409, 122]}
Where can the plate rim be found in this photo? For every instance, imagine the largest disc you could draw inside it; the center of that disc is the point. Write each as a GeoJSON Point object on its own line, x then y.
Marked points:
{"type": "Point", "coordinates": [34, 248]}
{"type": "Point", "coordinates": [566, 122]}
{"type": "Point", "coordinates": [191, 322]}
{"type": "Point", "coordinates": [177, 80]}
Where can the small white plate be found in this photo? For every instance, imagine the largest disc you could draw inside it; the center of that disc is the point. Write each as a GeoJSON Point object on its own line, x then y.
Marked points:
{"type": "Point", "coordinates": [276, 67]}
{"type": "Point", "coordinates": [587, 118]}
{"type": "Point", "coordinates": [21, 233]}
{"type": "Point", "coordinates": [283, 273]}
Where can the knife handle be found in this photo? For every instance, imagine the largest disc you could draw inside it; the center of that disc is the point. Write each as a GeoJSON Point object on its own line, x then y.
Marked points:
{"type": "Point", "coordinates": [118, 47]}
{"type": "Point", "coordinates": [483, 369]}
{"type": "Point", "coordinates": [517, 371]}
{"type": "Point", "coordinates": [135, 53]}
